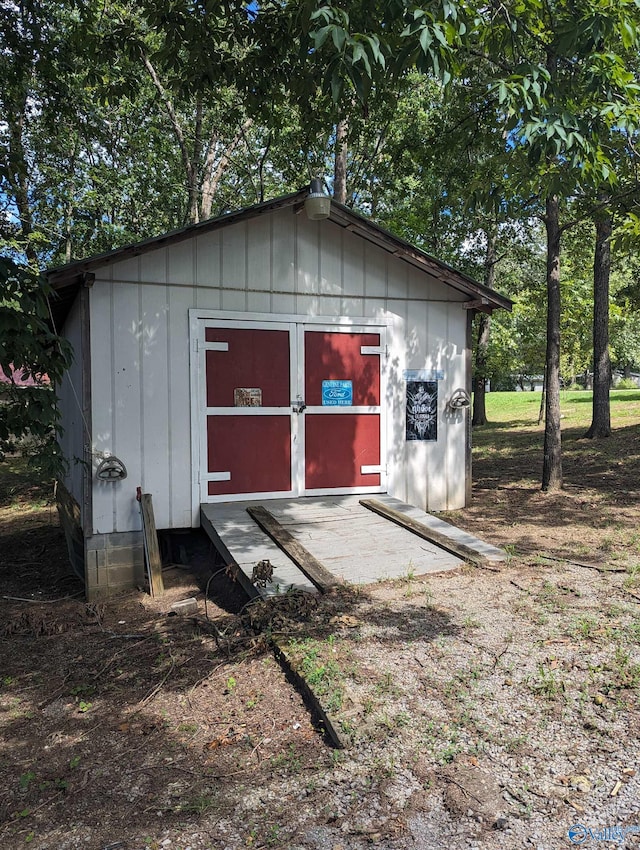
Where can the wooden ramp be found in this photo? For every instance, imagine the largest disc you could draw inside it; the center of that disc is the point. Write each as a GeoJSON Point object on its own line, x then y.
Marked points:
{"type": "Point", "coordinates": [354, 544]}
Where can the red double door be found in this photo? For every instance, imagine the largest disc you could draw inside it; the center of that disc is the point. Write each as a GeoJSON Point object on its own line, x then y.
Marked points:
{"type": "Point", "coordinates": [290, 410]}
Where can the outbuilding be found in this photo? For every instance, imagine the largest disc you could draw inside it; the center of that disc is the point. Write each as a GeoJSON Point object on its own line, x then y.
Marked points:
{"type": "Point", "coordinates": [260, 354]}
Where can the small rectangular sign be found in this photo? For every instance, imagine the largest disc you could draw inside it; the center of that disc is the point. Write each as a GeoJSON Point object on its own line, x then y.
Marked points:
{"type": "Point", "coordinates": [337, 394]}
{"type": "Point", "coordinates": [423, 375]}
{"type": "Point", "coordinates": [247, 397]}
{"type": "Point", "coordinates": [422, 410]}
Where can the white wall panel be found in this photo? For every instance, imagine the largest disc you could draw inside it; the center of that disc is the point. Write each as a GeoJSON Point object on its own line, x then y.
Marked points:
{"type": "Point", "coordinates": [375, 272]}
{"type": "Point", "coordinates": [155, 411]}
{"type": "Point", "coordinates": [259, 302]}
{"type": "Point", "coordinates": [317, 305]}
{"type": "Point", "coordinates": [102, 402]}
{"type": "Point", "coordinates": [234, 258]}
{"type": "Point", "coordinates": [395, 364]}
{"type": "Point", "coordinates": [374, 308]}
{"type": "Point", "coordinates": [126, 269]}
{"type": "Point", "coordinates": [208, 258]}
{"type": "Point", "coordinates": [353, 253]}
{"type": "Point", "coordinates": [208, 299]}
{"type": "Point", "coordinates": [455, 421]}
{"type": "Point", "coordinates": [279, 263]}
{"type": "Point", "coordinates": [437, 359]}
{"type": "Point", "coordinates": [179, 401]}
{"type": "Point", "coordinates": [259, 255]}
{"type": "Point", "coordinates": [331, 260]}
{"type": "Point", "coordinates": [182, 262]}
{"type": "Point", "coordinates": [127, 363]}
{"type": "Point", "coordinates": [308, 255]}
{"type": "Point", "coordinates": [282, 303]}
{"type": "Point", "coordinates": [153, 266]}
{"type": "Point", "coordinates": [283, 251]}
{"type": "Point", "coordinates": [352, 306]}
{"type": "Point", "coordinates": [233, 299]}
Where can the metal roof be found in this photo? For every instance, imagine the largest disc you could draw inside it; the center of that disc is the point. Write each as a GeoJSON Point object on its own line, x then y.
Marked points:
{"type": "Point", "coordinates": [66, 280]}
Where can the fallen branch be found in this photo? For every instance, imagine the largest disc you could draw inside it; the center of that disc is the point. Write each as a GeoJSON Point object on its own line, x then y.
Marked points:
{"type": "Point", "coordinates": [44, 601]}
{"type": "Point", "coordinates": [153, 693]}
{"type": "Point", "coordinates": [461, 787]}
{"type": "Point", "coordinates": [581, 564]}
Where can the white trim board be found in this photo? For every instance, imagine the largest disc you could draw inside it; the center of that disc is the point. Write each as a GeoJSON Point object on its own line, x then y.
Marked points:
{"type": "Point", "coordinates": [296, 325]}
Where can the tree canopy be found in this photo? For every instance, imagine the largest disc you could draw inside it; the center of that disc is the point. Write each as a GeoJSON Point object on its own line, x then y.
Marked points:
{"type": "Point", "coordinates": [494, 136]}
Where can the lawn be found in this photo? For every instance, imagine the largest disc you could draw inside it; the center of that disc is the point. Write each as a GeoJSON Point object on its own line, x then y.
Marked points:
{"type": "Point", "coordinates": [522, 409]}
{"type": "Point", "coordinates": [514, 438]}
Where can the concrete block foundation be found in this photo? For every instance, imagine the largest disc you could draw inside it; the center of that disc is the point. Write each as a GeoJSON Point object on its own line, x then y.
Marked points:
{"type": "Point", "coordinates": [113, 563]}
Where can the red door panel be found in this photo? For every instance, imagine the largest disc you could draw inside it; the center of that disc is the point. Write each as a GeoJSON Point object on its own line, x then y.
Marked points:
{"type": "Point", "coordinates": [337, 445]}
{"type": "Point", "coordinates": [256, 450]}
{"type": "Point", "coordinates": [256, 358]}
{"type": "Point", "coordinates": [254, 447]}
{"type": "Point", "coordinates": [336, 356]}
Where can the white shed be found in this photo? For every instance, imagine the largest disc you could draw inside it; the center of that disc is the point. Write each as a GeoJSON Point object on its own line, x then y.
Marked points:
{"type": "Point", "coordinates": [259, 354]}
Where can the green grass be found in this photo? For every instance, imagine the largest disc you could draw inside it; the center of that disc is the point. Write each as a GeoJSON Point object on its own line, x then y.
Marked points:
{"type": "Point", "coordinates": [21, 486]}
{"type": "Point", "coordinates": [521, 409]}
{"type": "Point", "coordinates": [509, 447]}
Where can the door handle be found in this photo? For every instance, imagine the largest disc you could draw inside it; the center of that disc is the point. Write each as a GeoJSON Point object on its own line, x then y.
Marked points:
{"type": "Point", "coordinates": [298, 406]}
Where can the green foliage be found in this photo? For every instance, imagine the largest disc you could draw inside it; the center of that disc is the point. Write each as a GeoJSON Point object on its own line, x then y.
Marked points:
{"type": "Point", "coordinates": [626, 384]}
{"type": "Point", "coordinates": [28, 345]}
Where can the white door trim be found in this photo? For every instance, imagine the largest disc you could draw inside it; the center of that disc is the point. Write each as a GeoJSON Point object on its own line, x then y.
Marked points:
{"type": "Point", "coordinates": [199, 319]}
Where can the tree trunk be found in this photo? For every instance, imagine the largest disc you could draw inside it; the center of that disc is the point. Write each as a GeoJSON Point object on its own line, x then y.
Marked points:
{"type": "Point", "coordinates": [340, 167]}
{"type": "Point", "coordinates": [601, 415]}
{"type": "Point", "coordinates": [18, 180]}
{"type": "Point", "coordinates": [190, 168]}
{"type": "Point", "coordinates": [211, 178]}
{"type": "Point", "coordinates": [480, 379]}
{"type": "Point", "coordinates": [484, 329]}
{"type": "Point", "coordinates": [543, 397]}
{"type": "Point", "coordinates": [552, 465]}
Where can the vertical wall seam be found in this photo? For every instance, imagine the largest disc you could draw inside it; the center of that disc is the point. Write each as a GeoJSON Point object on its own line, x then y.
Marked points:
{"type": "Point", "coordinates": [167, 299]}
{"type": "Point", "coordinates": [295, 264]}
{"type": "Point", "coordinates": [427, 470]}
{"type": "Point", "coordinates": [114, 434]}
{"type": "Point", "coordinates": [271, 258]}
{"type": "Point", "coordinates": [448, 367]}
{"type": "Point", "coordinates": [246, 266]}
{"type": "Point", "coordinates": [220, 266]}
{"type": "Point", "coordinates": [141, 347]}
{"type": "Point", "coordinates": [87, 475]}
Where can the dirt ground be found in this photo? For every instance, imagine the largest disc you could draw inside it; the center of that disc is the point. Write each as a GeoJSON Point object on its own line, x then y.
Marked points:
{"type": "Point", "coordinates": [482, 708]}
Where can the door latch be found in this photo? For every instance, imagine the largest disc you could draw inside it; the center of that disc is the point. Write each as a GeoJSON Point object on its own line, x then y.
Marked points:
{"type": "Point", "coordinates": [298, 405]}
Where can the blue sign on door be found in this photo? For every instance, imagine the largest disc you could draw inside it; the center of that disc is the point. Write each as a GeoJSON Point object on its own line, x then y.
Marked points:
{"type": "Point", "coordinates": [337, 393]}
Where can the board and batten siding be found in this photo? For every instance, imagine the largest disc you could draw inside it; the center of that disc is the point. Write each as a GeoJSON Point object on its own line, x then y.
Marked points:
{"type": "Point", "coordinates": [277, 263]}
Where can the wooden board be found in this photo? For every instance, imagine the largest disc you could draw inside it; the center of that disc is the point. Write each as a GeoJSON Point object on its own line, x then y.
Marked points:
{"type": "Point", "coordinates": [310, 566]}
{"type": "Point", "coordinates": [354, 544]}
{"type": "Point", "coordinates": [151, 548]}
{"type": "Point", "coordinates": [293, 672]}
{"type": "Point", "coordinates": [435, 537]}
{"type": "Point", "coordinates": [226, 555]}
{"type": "Point", "coordinates": [240, 541]}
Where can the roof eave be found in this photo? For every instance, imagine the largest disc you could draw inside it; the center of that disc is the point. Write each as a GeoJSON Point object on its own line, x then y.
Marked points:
{"type": "Point", "coordinates": [480, 297]}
